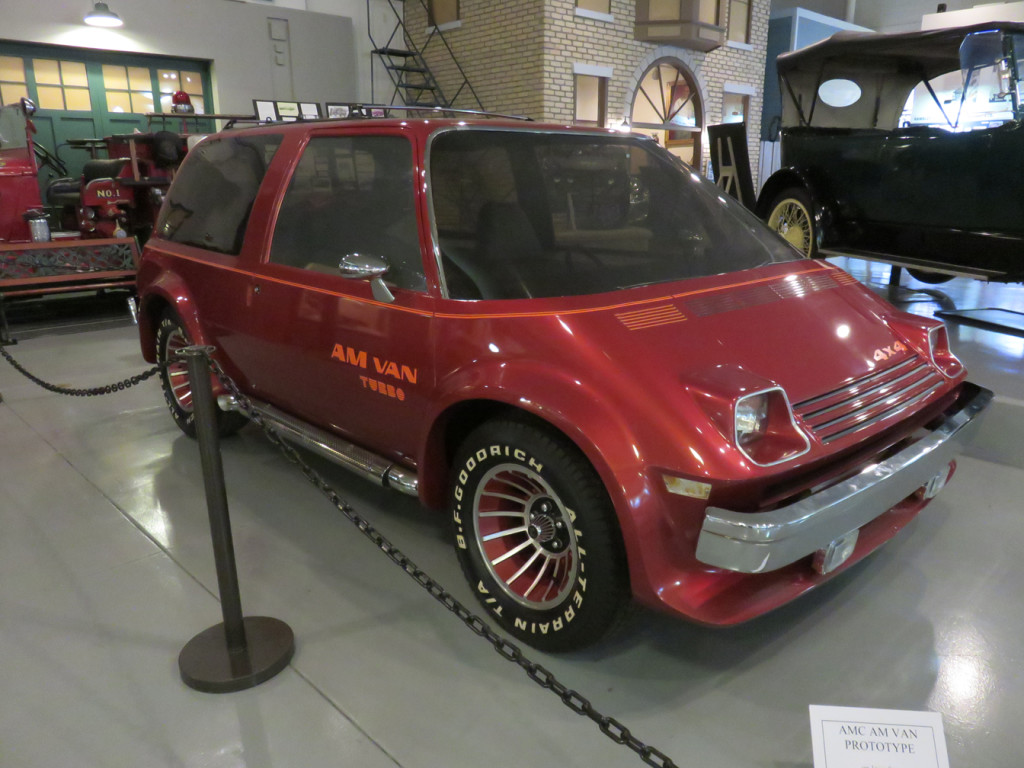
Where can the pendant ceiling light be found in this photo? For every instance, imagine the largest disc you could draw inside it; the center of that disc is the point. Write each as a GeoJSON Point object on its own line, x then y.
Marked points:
{"type": "Point", "coordinates": [102, 16]}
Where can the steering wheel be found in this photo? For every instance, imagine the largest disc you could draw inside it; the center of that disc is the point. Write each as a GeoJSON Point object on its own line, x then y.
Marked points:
{"type": "Point", "coordinates": [48, 159]}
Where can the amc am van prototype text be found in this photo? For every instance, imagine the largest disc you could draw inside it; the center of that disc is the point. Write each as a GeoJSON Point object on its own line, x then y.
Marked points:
{"type": "Point", "coordinates": [619, 384]}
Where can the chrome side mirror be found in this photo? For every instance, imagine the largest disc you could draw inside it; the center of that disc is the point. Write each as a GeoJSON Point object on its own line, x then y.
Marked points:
{"type": "Point", "coordinates": [363, 266]}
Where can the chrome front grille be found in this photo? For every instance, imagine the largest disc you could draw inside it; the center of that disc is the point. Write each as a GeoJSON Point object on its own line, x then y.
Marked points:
{"type": "Point", "coordinates": [870, 399]}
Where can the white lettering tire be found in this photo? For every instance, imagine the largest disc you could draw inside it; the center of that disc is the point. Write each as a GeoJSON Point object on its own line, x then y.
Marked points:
{"type": "Point", "coordinates": [171, 336]}
{"type": "Point", "coordinates": [536, 535]}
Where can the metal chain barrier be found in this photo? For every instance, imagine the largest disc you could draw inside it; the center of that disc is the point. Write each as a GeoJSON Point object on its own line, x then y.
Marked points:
{"type": "Point", "coordinates": [509, 651]}
{"type": "Point", "coordinates": [118, 386]}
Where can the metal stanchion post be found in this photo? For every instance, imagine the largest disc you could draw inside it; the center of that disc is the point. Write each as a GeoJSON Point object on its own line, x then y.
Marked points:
{"type": "Point", "coordinates": [239, 652]}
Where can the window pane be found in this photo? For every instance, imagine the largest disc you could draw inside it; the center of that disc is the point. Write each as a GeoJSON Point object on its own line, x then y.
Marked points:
{"type": "Point", "coordinates": [12, 69]}
{"type": "Point", "coordinates": [50, 97]}
{"type": "Point", "coordinates": [588, 98]}
{"type": "Point", "coordinates": [10, 93]}
{"type": "Point", "coordinates": [142, 102]}
{"type": "Point", "coordinates": [600, 6]}
{"type": "Point", "coordinates": [664, 10]}
{"type": "Point", "coordinates": [209, 206]}
{"type": "Point", "coordinates": [73, 73]}
{"type": "Point", "coordinates": [114, 77]}
{"type": "Point", "coordinates": [352, 195]}
{"type": "Point", "coordinates": [734, 108]}
{"type": "Point", "coordinates": [191, 83]}
{"type": "Point", "coordinates": [78, 99]}
{"type": "Point", "coordinates": [168, 80]}
{"type": "Point", "coordinates": [198, 105]}
{"type": "Point", "coordinates": [739, 16]}
{"type": "Point", "coordinates": [118, 101]}
{"type": "Point", "coordinates": [47, 71]}
{"type": "Point", "coordinates": [709, 11]}
{"type": "Point", "coordinates": [139, 79]}
{"type": "Point", "coordinates": [443, 11]}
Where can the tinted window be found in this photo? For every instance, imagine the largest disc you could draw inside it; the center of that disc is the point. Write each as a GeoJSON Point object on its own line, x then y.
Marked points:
{"type": "Point", "coordinates": [352, 194]}
{"type": "Point", "coordinates": [522, 214]}
{"type": "Point", "coordinates": [208, 205]}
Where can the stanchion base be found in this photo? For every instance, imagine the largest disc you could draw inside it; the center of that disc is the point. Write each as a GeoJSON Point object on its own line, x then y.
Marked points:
{"type": "Point", "coordinates": [207, 666]}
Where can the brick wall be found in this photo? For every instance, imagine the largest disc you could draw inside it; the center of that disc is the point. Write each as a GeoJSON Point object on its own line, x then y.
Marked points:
{"type": "Point", "coordinates": [519, 56]}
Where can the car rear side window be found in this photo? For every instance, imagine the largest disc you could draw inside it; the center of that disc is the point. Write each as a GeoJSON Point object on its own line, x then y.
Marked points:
{"type": "Point", "coordinates": [352, 194]}
{"type": "Point", "coordinates": [208, 206]}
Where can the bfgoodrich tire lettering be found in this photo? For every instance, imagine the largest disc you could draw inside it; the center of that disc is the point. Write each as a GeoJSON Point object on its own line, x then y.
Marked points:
{"type": "Point", "coordinates": [171, 336]}
{"type": "Point", "coordinates": [536, 535]}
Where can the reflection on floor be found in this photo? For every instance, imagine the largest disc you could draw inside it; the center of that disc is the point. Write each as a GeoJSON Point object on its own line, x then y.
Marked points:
{"type": "Point", "coordinates": [106, 571]}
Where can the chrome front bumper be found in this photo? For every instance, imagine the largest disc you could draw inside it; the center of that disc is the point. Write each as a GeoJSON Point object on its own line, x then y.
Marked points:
{"type": "Point", "coordinates": [765, 541]}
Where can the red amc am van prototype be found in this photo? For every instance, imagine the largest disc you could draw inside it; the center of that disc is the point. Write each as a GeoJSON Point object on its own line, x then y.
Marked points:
{"type": "Point", "coordinates": [618, 382]}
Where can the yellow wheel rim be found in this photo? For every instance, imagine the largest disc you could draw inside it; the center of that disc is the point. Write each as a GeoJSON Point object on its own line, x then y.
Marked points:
{"type": "Point", "coordinates": [791, 219]}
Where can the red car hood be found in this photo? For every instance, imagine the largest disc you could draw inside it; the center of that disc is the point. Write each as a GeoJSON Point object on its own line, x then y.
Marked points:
{"type": "Point", "coordinates": [805, 326]}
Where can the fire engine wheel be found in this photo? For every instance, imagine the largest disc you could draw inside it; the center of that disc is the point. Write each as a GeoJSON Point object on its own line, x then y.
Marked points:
{"type": "Point", "coordinates": [537, 536]}
{"type": "Point", "coordinates": [790, 215]}
{"type": "Point", "coordinates": [171, 336]}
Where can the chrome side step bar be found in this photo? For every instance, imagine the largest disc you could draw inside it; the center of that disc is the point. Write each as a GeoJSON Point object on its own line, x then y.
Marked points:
{"type": "Point", "coordinates": [333, 448]}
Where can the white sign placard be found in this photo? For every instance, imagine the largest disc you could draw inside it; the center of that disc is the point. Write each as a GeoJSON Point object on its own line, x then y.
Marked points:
{"type": "Point", "coordinates": [851, 737]}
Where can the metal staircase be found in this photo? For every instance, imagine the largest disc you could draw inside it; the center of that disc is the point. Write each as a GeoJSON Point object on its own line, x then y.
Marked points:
{"type": "Point", "coordinates": [413, 83]}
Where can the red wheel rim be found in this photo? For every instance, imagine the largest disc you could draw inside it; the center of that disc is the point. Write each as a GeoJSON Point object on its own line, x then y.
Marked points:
{"type": "Point", "coordinates": [526, 536]}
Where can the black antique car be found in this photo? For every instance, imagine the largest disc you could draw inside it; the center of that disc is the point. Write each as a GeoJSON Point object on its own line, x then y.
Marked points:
{"type": "Point", "coordinates": [906, 148]}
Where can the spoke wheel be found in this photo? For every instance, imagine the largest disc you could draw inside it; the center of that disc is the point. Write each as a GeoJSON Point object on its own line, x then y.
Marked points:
{"type": "Point", "coordinates": [790, 216]}
{"type": "Point", "coordinates": [536, 535]}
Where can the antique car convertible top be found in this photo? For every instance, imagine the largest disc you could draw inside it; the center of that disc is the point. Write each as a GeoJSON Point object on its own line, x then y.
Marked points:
{"type": "Point", "coordinates": [905, 148]}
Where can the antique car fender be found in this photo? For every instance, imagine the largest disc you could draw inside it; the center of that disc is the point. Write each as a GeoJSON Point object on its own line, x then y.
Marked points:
{"type": "Point", "coordinates": [822, 204]}
{"type": "Point", "coordinates": [593, 421]}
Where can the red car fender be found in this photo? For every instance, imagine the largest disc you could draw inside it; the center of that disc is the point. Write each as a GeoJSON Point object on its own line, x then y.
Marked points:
{"type": "Point", "coordinates": [584, 415]}
{"type": "Point", "coordinates": [164, 290]}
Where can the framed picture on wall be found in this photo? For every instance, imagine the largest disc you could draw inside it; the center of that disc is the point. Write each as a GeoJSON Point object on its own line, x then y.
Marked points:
{"type": "Point", "coordinates": [265, 111]}
{"type": "Point", "coordinates": [337, 111]}
{"type": "Point", "coordinates": [310, 110]}
{"type": "Point", "coordinates": [288, 111]}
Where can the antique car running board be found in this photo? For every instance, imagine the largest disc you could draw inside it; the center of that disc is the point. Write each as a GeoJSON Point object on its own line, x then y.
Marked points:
{"type": "Point", "coordinates": [911, 263]}
{"type": "Point", "coordinates": [333, 448]}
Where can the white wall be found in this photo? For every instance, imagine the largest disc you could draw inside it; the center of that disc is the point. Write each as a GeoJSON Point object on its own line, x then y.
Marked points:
{"type": "Point", "coordinates": [977, 15]}
{"type": "Point", "coordinates": [888, 15]}
{"type": "Point", "coordinates": [330, 48]}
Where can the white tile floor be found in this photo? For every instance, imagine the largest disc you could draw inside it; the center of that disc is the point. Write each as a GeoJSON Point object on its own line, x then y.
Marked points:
{"type": "Point", "coordinates": [106, 571]}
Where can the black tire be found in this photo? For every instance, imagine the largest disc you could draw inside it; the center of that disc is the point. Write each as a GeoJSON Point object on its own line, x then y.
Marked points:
{"type": "Point", "coordinates": [932, 278]}
{"type": "Point", "coordinates": [554, 501]}
{"type": "Point", "coordinates": [170, 337]}
{"type": "Point", "coordinates": [791, 214]}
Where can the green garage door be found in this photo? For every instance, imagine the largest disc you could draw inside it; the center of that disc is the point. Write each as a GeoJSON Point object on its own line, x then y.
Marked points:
{"type": "Point", "coordinates": [85, 94]}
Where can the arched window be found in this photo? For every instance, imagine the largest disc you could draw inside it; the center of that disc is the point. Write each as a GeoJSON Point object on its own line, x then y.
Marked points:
{"type": "Point", "coordinates": [667, 105]}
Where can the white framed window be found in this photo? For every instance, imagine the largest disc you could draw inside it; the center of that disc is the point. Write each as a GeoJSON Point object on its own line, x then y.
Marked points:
{"type": "Point", "coordinates": [601, 10]}
{"type": "Point", "coordinates": [739, 21]}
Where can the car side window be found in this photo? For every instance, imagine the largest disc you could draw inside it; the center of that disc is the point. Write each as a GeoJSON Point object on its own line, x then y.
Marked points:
{"type": "Point", "coordinates": [208, 206]}
{"type": "Point", "coordinates": [352, 194]}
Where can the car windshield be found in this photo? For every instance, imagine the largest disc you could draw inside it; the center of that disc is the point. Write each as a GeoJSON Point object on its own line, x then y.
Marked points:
{"type": "Point", "coordinates": [976, 96]}
{"type": "Point", "coordinates": [532, 214]}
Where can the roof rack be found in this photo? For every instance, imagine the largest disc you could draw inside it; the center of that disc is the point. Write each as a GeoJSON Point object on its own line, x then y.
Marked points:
{"type": "Point", "coordinates": [358, 111]}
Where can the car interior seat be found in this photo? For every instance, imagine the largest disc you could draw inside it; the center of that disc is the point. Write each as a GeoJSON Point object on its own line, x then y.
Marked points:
{"type": "Point", "coordinates": [508, 249]}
